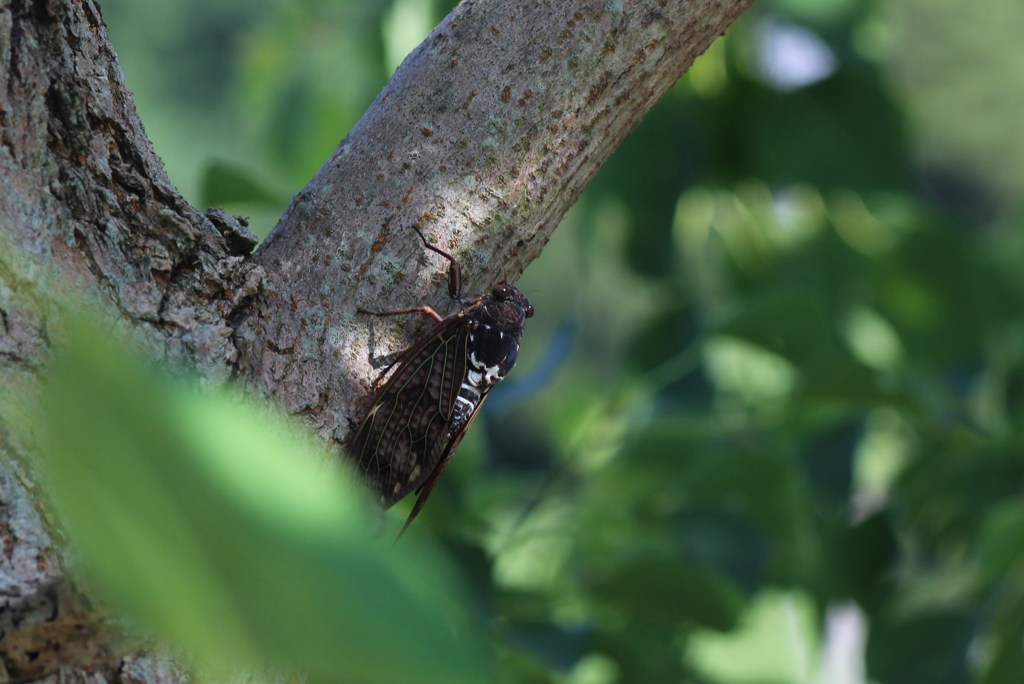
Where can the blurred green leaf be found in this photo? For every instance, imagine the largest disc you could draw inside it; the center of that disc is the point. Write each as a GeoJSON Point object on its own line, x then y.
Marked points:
{"type": "Point", "coordinates": [843, 132]}
{"type": "Point", "coordinates": [224, 183]}
{"type": "Point", "coordinates": [1014, 394]}
{"type": "Point", "coordinates": [1004, 655]}
{"type": "Point", "coordinates": [663, 337]}
{"type": "Point", "coordinates": [944, 297]}
{"type": "Point", "coordinates": [1000, 547]}
{"type": "Point", "coordinates": [952, 485]}
{"type": "Point", "coordinates": [827, 460]}
{"type": "Point", "coordinates": [725, 543]}
{"type": "Point", "coordinates": [776, 635]}
{"type": "Point", "coordinates": [790, 323]}
{"type": "Point", "coordinates": [867, 558]}
{"type": "Point", "coordinates": [652, 167]}
{"type": "Point", "coordinates": [668, 592]}
{"type": "Point", "coordinates": [671, 467]}
{"type": "Point", "coordinates": [930, 648]}
{"type": "Point", "coordinates": [640, 652]}
{"type": "Point", "coordinates": [221, 527]}
{"type": "Point", "coordinates": [822, 11]}
{"type": "Point", "coordinates": [558, 646]}
{"type": "Point", "coordinates": [841, 378]}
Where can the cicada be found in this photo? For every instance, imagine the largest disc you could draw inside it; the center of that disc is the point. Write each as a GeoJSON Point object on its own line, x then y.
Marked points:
{"type": "Point", "coordinates": [421, 409]}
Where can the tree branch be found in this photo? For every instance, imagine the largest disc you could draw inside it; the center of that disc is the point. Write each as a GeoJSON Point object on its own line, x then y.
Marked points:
{"type": "Point", "coordinates": [484, 138]}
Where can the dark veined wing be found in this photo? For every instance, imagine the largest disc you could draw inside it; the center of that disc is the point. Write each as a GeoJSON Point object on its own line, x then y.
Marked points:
{"type": "Point", "coordinates": [451, 443]}
{"type": "Point", "coordinates": [405, 439]}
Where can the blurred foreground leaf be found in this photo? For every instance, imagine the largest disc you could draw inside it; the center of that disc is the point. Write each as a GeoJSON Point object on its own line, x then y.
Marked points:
{"type": "Point", "coordinates": [218, 526]}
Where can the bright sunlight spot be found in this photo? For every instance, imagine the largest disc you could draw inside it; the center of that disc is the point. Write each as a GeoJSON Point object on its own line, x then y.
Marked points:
{"type": "Point", "coordinates": [790, 57]}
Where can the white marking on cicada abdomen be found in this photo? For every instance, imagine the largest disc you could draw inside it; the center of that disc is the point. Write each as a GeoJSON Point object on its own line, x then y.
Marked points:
{"type": "Point", "coordinates": [471, 402]}
{"type": "Point", "coordinates": [469, 394]}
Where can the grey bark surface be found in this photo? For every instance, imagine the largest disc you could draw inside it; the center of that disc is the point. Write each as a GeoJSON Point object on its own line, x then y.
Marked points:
{"type": "Point", "coordinates": [484, 138]}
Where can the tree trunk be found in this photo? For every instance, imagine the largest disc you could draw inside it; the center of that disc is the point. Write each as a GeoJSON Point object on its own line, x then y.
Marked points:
{"type": "Point", "coordinates": [483, 139]}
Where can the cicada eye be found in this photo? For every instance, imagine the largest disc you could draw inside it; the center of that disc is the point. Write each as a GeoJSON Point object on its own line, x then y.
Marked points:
{"type": "Point", "coordinates": [503, 291]}
{"type": "Point", "coordinates": [529, 310]}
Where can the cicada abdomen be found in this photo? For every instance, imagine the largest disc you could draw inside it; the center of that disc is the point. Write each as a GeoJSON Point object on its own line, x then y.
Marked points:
{"type": "Point", "coordinates": [421, 410]}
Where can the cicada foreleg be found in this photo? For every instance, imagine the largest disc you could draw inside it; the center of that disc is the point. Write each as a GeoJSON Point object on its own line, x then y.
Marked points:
{"type": "Point", "coordinates": [454, 267]}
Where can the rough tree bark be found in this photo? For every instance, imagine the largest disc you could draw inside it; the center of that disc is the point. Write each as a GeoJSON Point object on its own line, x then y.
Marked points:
{"type": "Point", "coordinates": [484, 138]}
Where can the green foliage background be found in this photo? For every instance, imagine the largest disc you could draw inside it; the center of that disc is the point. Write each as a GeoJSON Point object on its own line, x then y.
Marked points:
{"type": "Point", "coordinates": [767, 424]}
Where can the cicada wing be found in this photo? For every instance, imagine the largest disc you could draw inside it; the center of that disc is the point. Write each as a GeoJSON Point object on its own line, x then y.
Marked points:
{"type": "Point", "coordinates": [405, 434]}
{"type": "Point", "coordinates": [451, 445]}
